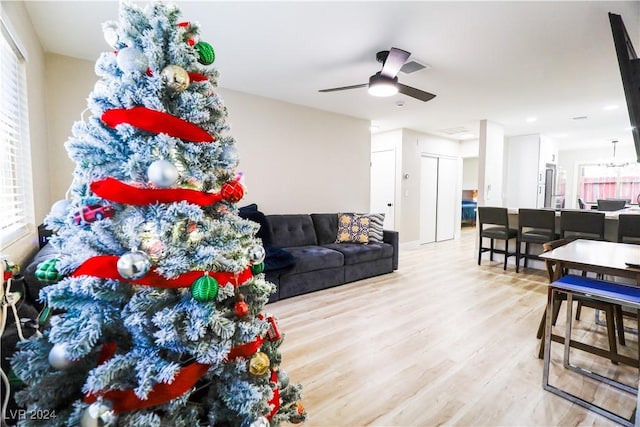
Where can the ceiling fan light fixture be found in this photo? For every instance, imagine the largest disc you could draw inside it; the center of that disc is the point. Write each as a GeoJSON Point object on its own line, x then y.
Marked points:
{"type": "Point", "coordinates": [382, 86]}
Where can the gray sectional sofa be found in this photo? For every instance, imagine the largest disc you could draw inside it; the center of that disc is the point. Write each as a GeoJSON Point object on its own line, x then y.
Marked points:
{"type": "Point", "coordinates": [319, 262]}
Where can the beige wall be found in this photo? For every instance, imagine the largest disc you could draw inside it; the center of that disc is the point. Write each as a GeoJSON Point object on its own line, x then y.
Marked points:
{"type": "Point", "coordinates": [15, 16]}
{"type": "Point", "coordinates": [69, 82]}
{"type": "Point", "coordinates": [295, 159]}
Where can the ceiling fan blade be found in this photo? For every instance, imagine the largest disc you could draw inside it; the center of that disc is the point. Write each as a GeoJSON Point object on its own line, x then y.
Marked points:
{"type": "Point", "coordinates": [415, 93]}
{"type": "Point", "coordinates": [335, 89]}
{"type": "Point", "coordinates": [395, 60]}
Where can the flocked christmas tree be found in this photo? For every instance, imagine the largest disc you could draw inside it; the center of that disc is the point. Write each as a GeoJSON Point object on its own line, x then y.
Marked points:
{"type": "Point", "coordinates": [157, 287]}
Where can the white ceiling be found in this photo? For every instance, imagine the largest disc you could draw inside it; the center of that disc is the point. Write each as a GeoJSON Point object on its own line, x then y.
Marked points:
{"type": "Point", "coordinates": [501, 61]}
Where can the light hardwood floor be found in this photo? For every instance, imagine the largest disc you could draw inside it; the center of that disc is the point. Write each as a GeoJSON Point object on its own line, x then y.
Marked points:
{"type": "Point", "coordinates": [441, 341]}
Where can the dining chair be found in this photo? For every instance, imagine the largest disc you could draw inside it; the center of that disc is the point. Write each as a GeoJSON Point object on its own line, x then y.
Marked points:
{"type": "Point", "coordinates": [613, 312]}
{"type": "Point", "coordinates": [610, 205]}
{"type": "Point", "coordinates": [581, 204]}
{"type": "Point", "coordinates": [629, 228]}
{"type": "Point", "coordinates": [577, 224]}
{"type": "Point", "coordinates": [534, 226]}
{"type": "Point", "coordinates": [498, 221]}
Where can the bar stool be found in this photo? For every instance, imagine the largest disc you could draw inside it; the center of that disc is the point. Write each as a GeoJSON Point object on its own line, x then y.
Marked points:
{"type": "Point", "coordinates": [581, 225]}
{"type": "Point", "coordinates": [498, 219]}
{"type": "Point", "coordinates": [534, 226]}
{"type": "Point", "coordinates": [629, 228]}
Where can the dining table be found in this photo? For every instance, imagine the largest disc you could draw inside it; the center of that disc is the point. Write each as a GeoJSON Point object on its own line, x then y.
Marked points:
{"type": "Point", "coordinates": [620, 260]}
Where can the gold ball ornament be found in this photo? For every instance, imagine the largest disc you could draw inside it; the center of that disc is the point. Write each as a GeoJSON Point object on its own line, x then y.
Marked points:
{"type": "Point", "coordinates": [176, 78]}
{"type": "Point", "coordinates": [259, 364]}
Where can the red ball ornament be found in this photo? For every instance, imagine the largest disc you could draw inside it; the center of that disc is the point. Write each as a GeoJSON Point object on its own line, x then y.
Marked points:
{"type": "Point", "coordinates": [241, 308]}
{"type": "Point", "coordinates": [232, 191]}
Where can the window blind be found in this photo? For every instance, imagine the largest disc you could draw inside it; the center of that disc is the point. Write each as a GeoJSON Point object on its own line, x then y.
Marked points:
{"type": "Point", "coordinates": [15, 174]}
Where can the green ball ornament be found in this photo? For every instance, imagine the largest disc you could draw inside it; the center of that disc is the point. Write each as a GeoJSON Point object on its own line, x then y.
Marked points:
{"type": "Point", "coordinates": [205, 289]}
{"type": "Point", "coordinates": [47, 271]}
{"type": "Point", "coordinates": [206, 53]}
{"type": "Point", "coordinates": [257, 268]}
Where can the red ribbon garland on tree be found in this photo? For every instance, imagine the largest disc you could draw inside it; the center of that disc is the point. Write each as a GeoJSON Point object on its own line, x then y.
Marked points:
{"type": "Point", "coordinates": [157, 122]}
{"type": "Point", "coordinates": [117, 191]}
{"type": "Point", "coordinates": [183, 381]}
{"type": "Point", "coordinates": [105, 267]}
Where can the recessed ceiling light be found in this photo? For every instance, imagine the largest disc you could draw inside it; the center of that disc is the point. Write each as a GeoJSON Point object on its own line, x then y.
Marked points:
{"type": "Point", "coordinates": [611, 107]}
{"type": "Point", "coordinates": [531, 119]}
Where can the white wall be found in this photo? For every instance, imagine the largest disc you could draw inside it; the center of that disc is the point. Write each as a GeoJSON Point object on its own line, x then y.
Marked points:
{"type": "Point", "coordinates": [490, 168]}
{"type": "Point", "coordinates": [470, 173]}
{"type": "Point", "coordinates": [15, 16]}
{"type": "Point", "coordinates": [295, 159]}
{"type": "Point", "coordinates": [521, 169]}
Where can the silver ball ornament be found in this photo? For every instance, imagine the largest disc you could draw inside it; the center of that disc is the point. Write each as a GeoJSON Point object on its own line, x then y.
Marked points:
{"type": "Point", "coordinates": [230, 156]}
{"type": "Point", "coordinates": [176, 77]}
{"type": "Point", "coordinates": [58, 357]}
{"type": "Point", "coordinates": [133, 265]}
{"type": "Point", "coordinates": [130, 60]}
{"type": "Point", "coordinates": [99, 414]}
{"type": "Point", "coordinates": [60, 208]}
{"type": "Point", "coordinates": [283, 379]}
{"type": "Point", "coordinates": [256, 254]}
{"type": "Point", "coordinates": [260, 422]}
{"type": "Point", "coordinates": [162, 173]}
{"type": "Point", "coordinates": [110, 31]}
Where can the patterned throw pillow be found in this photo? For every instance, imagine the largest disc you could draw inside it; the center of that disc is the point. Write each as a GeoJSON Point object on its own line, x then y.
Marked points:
{"type": "Point", "coordinates": [353, 228]}
{"type": "Point", "coordinates": [375, 227]}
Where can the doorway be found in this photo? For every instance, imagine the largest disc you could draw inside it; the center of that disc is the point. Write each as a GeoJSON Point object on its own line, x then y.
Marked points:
{"type": "Point", "coordinates": [383, 186]}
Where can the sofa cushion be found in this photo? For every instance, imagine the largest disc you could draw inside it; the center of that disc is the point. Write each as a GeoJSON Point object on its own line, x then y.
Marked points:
{"type": "Point", "coordinates": [252, 213]}
{"type": "Point", "coordinates": [353, 228]}
{"type": "Point", "coordinates": [375, 227]}
{"type": "Point", "coordinates": [311, 258]}
{"type": "Point", "coordinates": [355, 253]}
{"type": "Point", "coordinates": [326, 226]}
{"type": "Point", "coordinates": [291, 230]}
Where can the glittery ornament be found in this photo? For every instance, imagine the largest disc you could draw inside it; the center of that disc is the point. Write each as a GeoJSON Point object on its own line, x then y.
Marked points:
{"type": "Point", "coordinates": [283, 379]}
{"type": "Point", "coordinates": [133, 265]}
{"type": "Point", "coordinates": [259, 364]}
{"type": "Point", "coordinates": [205, 289]}
{"type": "Point", "coordinates": [205, 53]}
{"type": "Point", "coordinates": [58, 357]}
{"type": "Point", "coordinates": [176, 78]}
{"type": "Point", "coordinates": [260, 422]}
{"type": "Point", "coordinates": [257, 268]}
{"type": "Point", "coordinates": [110, 31]}
{"type": "Point", "coordinates": [230, 156]}
{"type": "Point", "coordinates": [232, 191]}
{"type": "Point", "coordinates": [162, 173]}
{"type": "Point", "coordinates": [130, 60]}
{"type": "Point", "coordinates": [256, 254]}
{"type": "Point", "coordinates": [47, 272]}
{"type": "Point", "coordinates": [99, 414]}
{"type": "Point", "coordinates": [153, 247]}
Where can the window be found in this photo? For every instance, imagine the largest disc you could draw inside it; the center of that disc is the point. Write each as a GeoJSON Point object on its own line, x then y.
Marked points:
{"type": "Point", "coordinates": [609, 182]}
{"type": "Point", "coordinates": [15, 169]}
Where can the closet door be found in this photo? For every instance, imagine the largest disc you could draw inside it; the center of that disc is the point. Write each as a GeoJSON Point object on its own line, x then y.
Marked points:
{"type": "Point", "coordinates": [446, 211]}
{"type": "Point", "coordinates": [428, 198]}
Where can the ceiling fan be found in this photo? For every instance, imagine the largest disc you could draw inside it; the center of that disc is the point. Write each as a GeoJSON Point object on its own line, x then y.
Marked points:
{"type": "Point", "coordinates": [385, 82]}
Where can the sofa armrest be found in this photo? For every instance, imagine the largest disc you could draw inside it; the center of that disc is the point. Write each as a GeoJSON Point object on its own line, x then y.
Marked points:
{"type": "Point", "coordinates": [393, 238]}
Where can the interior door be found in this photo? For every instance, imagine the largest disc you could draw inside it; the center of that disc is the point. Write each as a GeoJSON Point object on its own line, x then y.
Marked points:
{"type": "Point", "coordinates": [447, 197]}
{"type": "Point", "coordinates": [383, 185]}
{"type": "Point", "coordinates": [428, 198]}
